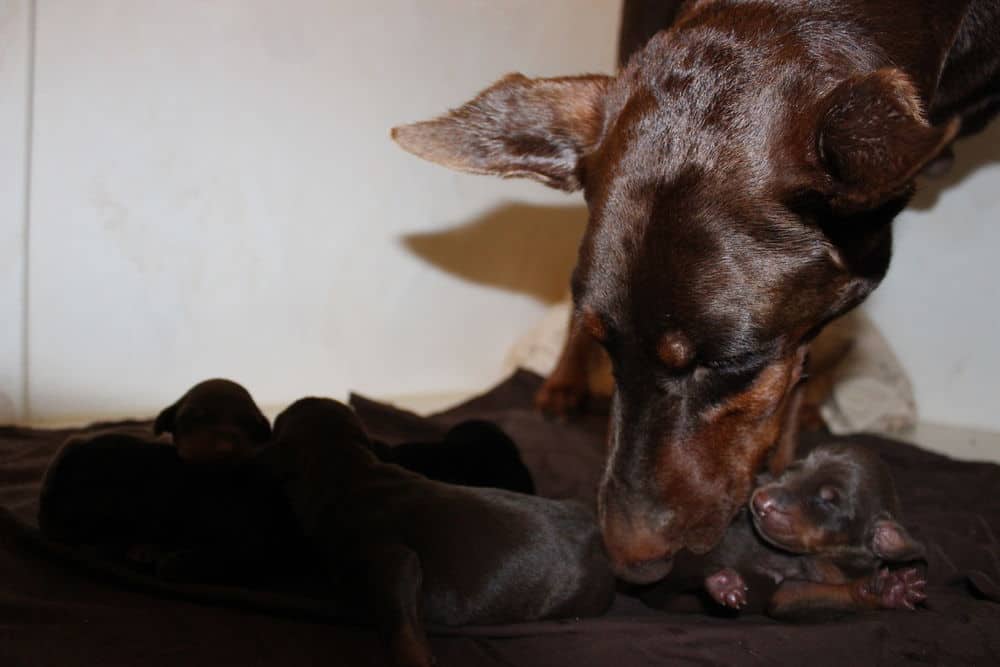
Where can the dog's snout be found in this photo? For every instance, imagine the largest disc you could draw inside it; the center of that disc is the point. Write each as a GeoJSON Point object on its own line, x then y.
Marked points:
{"type": "Point", "coordinates": [637, 543]}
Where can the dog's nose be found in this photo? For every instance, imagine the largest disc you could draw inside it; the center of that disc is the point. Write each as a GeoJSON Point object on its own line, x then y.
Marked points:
{"type": "Point", "coordinates": [637, 548]}
{"type": "Point", "coordinates": [763, 503]}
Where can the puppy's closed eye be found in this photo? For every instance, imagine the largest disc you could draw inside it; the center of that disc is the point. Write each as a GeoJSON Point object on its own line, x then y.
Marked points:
{"type": "Point", "coordinates": [829, 494]}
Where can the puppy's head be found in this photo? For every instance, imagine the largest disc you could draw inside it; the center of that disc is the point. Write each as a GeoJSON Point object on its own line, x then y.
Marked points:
{"type": "Point", "coordinates": [320, 419]}
{"type": "Point", "coordinates": [215, 421]}
{"type": "Point", "coordinates": [839, 500]}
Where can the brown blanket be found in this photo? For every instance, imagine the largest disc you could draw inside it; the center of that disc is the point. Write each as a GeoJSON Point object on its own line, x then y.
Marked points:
{"type": "Point", "coordinates": [66, 607]}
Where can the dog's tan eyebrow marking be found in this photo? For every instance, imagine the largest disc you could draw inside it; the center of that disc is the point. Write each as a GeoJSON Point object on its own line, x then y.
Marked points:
{"type": "Point", "coordinates": [593, 324]}
{"type": "Point", "coordinates": [675, 350]}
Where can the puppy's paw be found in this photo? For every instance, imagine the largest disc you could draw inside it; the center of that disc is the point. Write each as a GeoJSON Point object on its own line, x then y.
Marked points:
{"type": "Point", "coordinates": [560, 397]}
{"type": "Point", "coordinates": [727, 588]}
{"type": "Point", "coordinates": [900, 589]}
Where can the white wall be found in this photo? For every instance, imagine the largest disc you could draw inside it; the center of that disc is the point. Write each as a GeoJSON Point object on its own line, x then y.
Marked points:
{"type": "Point", "coordinates": [14, 66]}
{"type": "Point", "coordinates": [214, 193]}
{"type": "Point", "coordinates": [940, 304]}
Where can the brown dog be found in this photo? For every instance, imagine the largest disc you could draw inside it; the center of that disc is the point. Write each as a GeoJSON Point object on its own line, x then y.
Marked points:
{"type": "Point", "coordinates": [407, 549]}
{"type": "Point", "coordinates": [812, 540]}
{"type": "Point", "coordinates": [741, 174]}
{"type": "Point", "coordinates": [215, 421]}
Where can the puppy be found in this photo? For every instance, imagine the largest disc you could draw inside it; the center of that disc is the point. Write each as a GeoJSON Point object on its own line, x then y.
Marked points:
{"type": "Point", "coordinates": [815, 539]}
{"type": "Point", "coordinates": [473, 453]}
{"type": "Point", "coordinates": [215, 421]}
{"type": "Point", "coordinates": [112, 488]}
{"type": "Point", "coordinates": [133, 501]}
{"type": "Point", "coordinates": [409, 550]}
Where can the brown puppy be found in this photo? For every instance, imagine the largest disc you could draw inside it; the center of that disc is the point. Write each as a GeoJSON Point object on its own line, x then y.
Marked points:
{"type": "Point", "coordinates": [137, 503]}
{"type": "Point", "coordinates": [813, 540]}
{"type": "Point", "coordinates": [472, 453]}
{"type": "Point", "coordinates": [215, 421]}
{"type": "Point", "coordinates": [741, 172]}
{"type": "Point", "coordinates": [409, 550]}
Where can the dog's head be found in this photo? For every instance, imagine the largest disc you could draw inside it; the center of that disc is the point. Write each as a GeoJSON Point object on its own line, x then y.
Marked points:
{"type": "Point", "coordinates": [214, 421]}
{"type": "Point", "coordinates": [839, 502]}
{"type": "Point", "coordinates": [739, 199]}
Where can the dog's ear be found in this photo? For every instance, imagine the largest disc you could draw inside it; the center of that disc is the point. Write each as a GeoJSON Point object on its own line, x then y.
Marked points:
{"type": "Point", "coordinates": [518, 127]}
{"type": "Point", "coordinates": [890, 541]}
{"type": "Point", "coordinates": [165, 420]}
{"type": "Point", "coordinates": [874, 138]}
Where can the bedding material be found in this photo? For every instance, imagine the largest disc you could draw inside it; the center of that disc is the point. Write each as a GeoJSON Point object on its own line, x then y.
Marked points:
{"type": "Point", "coordinates": [67, 607]}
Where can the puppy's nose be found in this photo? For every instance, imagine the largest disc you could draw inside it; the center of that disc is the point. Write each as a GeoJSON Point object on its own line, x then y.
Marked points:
{"type": "Point", "coordinates": [763, 503]}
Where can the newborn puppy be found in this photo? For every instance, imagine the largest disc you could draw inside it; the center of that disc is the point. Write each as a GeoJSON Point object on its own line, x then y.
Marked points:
{"type": "Point", "coordinates": [473, 453]}
{"type": "Point", "coordinates": [112, 488]}
{"type": "Point", "coordinates": [409, 550]}
{"type": "Point", "coordinates": [135, 501]}
{"type": "Point", "coordinates": [215, 421]}
{"type": "Point", "coordinates": [815, 539]}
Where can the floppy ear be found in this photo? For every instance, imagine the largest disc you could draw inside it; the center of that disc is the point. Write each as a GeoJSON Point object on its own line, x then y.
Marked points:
{"type": "Point", "coordinates": [262, 429]}
{"type": "Point", "coordinates": [873, 139]}
{"type": "Point", "coordinates": [279, 420]}
{"type": "Point", "coordinates": [165, 420]}
{"type": "Point", "coordinates": [891, 542]}
{"type": "Point", "coordinates": [518, 127]}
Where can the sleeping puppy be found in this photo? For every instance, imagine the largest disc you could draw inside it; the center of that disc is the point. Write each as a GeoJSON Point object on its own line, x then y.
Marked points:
{"type": "Point", "coordinates": [473, 453]}
{"type": "Point", "coordinates": [814, 540]}
{"type": "Point", "coordinates": [134, 501]}
{"type": "Point", "coordinates": [215, 421]}
{"type": "Point", "coordinates": [409, 550]}
{"type": "Point", "coordinates": [112, 488]}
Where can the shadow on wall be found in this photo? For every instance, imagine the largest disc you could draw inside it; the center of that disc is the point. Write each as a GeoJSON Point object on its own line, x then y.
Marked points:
{"type": "Point", "coordinates": [515, 247]}
{"type": "Point", "coordinates": [971, 154]}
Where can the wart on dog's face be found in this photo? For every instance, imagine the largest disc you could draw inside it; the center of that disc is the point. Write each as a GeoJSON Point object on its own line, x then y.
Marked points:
{"type": "Point", "coordinates": [740, 198]}
{"type": "Point", "coordinates": [216, 421]}
{"type": "Point", "coordinates": [839, 499]}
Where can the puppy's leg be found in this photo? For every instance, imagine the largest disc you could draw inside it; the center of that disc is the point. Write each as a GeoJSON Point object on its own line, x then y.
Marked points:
{"type": "Point", "coordinates": [902, 589]}
{"type": "Point", "coordinates": [567, 387]}
{"type": "Point", "coordinates": [394, 582]}
{"type": "Point", "coordinates": [732, 589]}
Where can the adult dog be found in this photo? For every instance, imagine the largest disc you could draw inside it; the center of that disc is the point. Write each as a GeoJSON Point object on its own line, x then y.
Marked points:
{"type": "Point", "coordinates": [741, 174]}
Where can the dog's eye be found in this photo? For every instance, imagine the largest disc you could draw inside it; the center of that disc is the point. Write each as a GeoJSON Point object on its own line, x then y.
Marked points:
{"type": "Point", "coordinates": [745, 363]}
{"type": "Point", "coordinates": [828, 494]}
{"type": "Point", "coordinates": [733, 362]}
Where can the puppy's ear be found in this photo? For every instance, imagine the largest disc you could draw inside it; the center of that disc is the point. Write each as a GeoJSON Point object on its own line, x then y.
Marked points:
{"type": "Point", "coordinates": [890, 541]}
{"type": "Point", "coordinates": [262, 429]}
{"type": "Point", "coordinates": [279, 421]}
{"type": "Point", "coordinates": [165, 420]}
{"type": "Point", "coordinates": [518, 127]}
{"type": "Point", "coordinates": [874, 138]}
